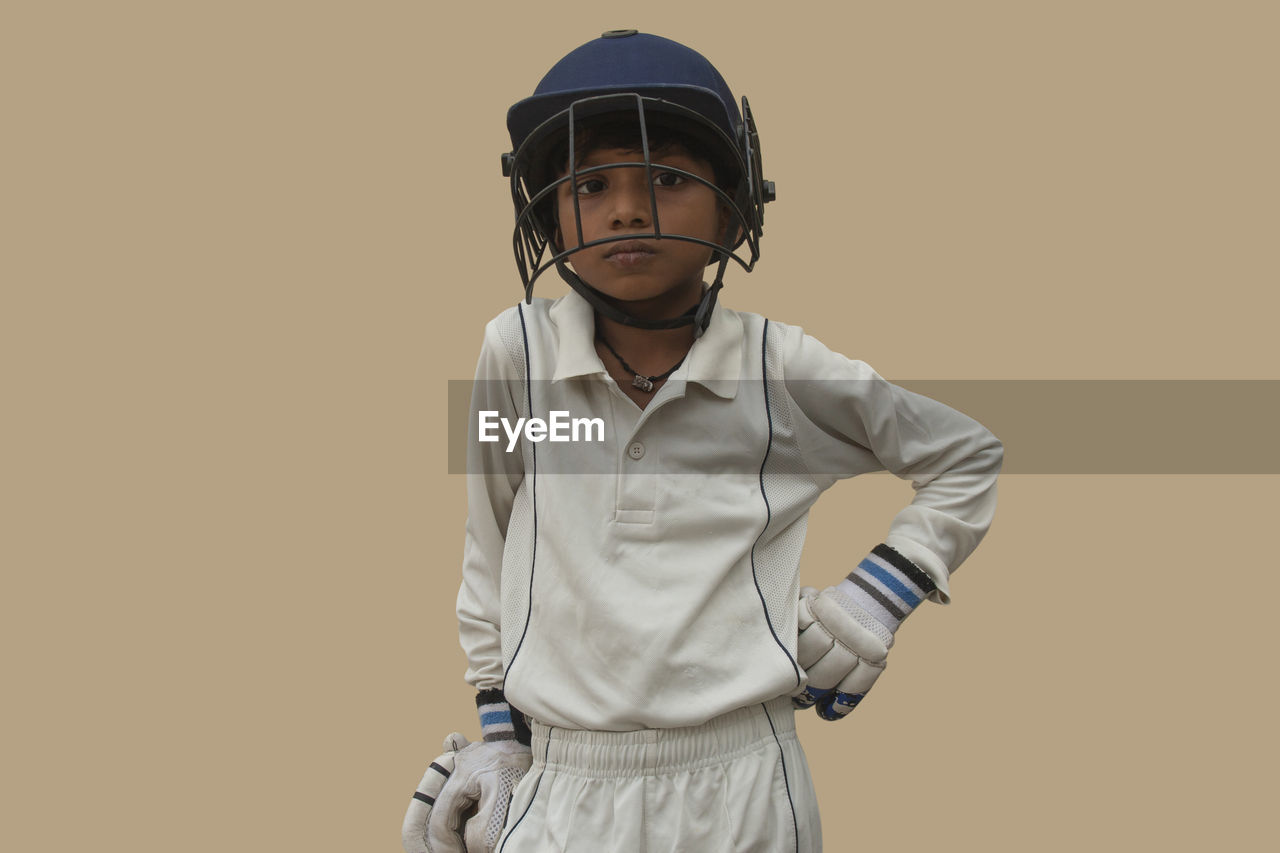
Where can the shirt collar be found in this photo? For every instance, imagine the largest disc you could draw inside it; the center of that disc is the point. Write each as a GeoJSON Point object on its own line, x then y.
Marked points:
{"type": "Point", "coordinates": [575, 324]}
{"type": "Point", "coordinates": [714, 362]}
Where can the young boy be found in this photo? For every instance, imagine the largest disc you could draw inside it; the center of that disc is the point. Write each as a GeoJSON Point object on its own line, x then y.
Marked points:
{"type": "Point", "coordinates": [630, 602]}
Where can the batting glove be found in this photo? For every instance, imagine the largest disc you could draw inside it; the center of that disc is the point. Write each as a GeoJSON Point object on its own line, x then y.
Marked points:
{"type": "Point", "coordinates": [846, 630]}
{"type": "Point", "coordinates": [461, 804]}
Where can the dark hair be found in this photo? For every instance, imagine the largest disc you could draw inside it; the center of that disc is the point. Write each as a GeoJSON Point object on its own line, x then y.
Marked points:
{"type": "Point", "coordinates": [624, 134]}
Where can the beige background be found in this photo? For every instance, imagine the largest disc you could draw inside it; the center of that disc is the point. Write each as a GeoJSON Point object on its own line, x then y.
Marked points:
{"type": "Point", "coordinates": [246, 244]}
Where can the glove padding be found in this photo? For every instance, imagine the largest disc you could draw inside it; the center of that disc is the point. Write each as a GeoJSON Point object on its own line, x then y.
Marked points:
{"type": "Point", "coordinates": [461, 804]}
{"type": "Point", "coordinates": [840, 649]}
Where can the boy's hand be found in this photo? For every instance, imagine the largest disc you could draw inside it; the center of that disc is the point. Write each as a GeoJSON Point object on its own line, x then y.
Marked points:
{"type": "Point", "coordinates": [846, 631]}
{"type": "Point", "coordinates": [461, 804]}
{"type": "Point", "coordinates": [841, 651]}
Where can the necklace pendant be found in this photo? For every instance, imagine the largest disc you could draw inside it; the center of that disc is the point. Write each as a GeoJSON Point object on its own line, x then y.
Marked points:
{"type": "Point", "coordinates": [642, 383]}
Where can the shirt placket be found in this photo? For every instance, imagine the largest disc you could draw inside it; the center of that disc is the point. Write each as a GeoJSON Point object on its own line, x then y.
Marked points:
{"type": "Point", "coordinates": [635, 495]}
{"type": "Point", "coordinates": [639, 457]}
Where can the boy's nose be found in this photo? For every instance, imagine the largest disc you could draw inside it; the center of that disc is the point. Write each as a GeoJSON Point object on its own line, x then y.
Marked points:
{"type": "Point", "coordinates": [631, 204]}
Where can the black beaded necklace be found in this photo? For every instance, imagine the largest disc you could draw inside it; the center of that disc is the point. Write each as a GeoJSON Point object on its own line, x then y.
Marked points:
{"type": "Point", "coordinates": [644, 383]}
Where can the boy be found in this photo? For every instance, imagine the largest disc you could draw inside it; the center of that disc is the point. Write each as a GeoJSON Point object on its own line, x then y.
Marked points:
{"type": "Point", "coordinates": [630, 606]}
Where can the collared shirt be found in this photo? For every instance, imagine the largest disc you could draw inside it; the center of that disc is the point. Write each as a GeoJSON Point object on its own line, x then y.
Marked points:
{"type": "Point", "coordinates": [648, 579]}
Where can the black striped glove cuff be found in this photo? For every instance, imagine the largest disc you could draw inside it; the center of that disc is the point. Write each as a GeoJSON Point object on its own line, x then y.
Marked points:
{"type": "Point", "coordinates": [499, 720]}
{"type": "Point", "coordinates": [888, 586]}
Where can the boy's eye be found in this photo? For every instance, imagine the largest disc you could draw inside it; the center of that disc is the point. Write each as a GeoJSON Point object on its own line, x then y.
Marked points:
{"type": "Point", "coordinates": [589, 186]}
{"type": "Point", "coordinates": [668, 179]}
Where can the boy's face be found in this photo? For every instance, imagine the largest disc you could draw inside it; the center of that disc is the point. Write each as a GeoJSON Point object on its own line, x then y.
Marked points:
{"type": "Point", "coordinates": [661, 274]}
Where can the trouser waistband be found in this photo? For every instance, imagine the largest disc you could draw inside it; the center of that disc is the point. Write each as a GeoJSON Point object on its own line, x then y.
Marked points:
{"type": "Point", "coordinates": [648, 751]}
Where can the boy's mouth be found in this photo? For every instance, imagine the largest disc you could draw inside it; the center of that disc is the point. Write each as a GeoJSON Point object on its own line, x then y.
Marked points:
{"type": "Point", "coordinates": [629, 252]}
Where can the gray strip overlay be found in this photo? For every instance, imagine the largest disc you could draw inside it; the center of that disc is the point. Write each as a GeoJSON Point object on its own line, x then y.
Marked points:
{"type": "Point", "coordinates": [1082, 426]}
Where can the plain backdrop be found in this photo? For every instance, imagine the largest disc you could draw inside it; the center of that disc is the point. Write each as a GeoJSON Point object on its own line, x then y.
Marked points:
{"type": "Point", "coordinates": [246, 245]}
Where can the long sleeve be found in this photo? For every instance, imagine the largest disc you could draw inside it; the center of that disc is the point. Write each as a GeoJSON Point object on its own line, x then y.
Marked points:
{"type": "Point", "coordinates": [851, 421]}
{"type": "Point", "coordinates": [493, 478]}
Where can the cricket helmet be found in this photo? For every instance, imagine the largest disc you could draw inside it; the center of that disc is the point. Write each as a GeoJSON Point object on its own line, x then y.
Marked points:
{"type": "Point", "coordinates": [661, 86]}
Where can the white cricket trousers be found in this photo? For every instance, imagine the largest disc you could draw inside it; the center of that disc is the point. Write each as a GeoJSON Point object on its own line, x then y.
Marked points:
{"type": "Point", "coordinates": [735, 784]}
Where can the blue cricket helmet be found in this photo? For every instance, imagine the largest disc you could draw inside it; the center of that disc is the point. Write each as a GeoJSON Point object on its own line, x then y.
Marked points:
{"type": "Point", "coordinates": [656, 83]}
{"type": "Point", "coordinates": [628, 61]}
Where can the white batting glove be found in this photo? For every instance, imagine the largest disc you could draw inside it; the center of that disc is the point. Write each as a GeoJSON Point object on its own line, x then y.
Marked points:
{"type": "Point", "coordinates": [846, 631]}
{"type": "Point", "coordinates": [461, 804]}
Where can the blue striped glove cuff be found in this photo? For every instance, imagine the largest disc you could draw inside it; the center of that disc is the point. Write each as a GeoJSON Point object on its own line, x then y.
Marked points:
{"type": "Point", "coordinates": [500, 721]}
{"type": "Point", "coordinates": [887, 585]}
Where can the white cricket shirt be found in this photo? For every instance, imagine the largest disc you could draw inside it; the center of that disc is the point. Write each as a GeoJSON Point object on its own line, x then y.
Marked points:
{"type": "Point", "coordinates": [650, 579]}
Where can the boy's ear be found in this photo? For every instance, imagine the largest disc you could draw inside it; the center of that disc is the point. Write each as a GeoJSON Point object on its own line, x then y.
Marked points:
{"type": "Point", "coordinates": [556, 238]}
{"type": "Point", "coordinates": [726, 216]}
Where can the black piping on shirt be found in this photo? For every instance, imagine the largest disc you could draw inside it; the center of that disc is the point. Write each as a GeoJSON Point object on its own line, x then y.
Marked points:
{"type": "Point", "coordinates": [764, 370]}
{"type": "Point", "coordinates": [533, 560]}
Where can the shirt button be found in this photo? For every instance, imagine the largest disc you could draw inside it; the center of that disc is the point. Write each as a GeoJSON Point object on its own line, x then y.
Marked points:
{"type": "Point", "coordinates": [635, 450]}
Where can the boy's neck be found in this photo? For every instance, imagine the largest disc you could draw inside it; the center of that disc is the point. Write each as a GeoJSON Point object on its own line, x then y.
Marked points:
{"type": "Point", "coordinates": [647, 351]}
